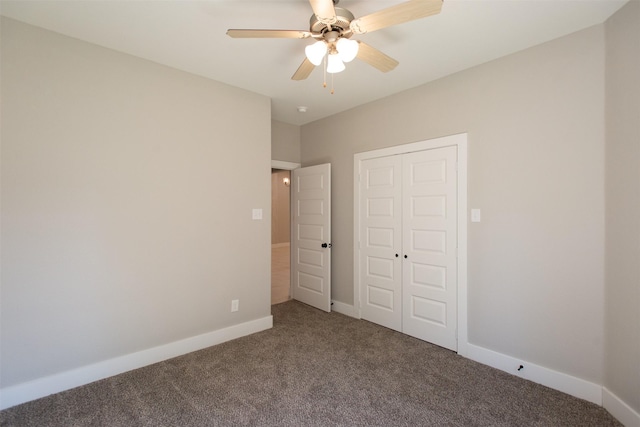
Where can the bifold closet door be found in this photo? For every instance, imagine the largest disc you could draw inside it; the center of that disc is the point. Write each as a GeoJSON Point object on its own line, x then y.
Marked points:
{"type": "Point", "coordinates": [408, 244]}
{"type": "Point", "coordinates": [429, 224]}
{"type": "Point", "coordinates": [381, 241]}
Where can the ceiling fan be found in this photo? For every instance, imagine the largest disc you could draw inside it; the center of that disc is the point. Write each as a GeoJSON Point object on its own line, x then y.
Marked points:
{"type": "Point", "coordinates": [332, 28]}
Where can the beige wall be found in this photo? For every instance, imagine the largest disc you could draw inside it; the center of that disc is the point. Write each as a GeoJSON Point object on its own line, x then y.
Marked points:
{"type": "Point", "coordinates": [285, 142]}
{"type": "Point", "coordinates": [622, 310]}
{"type": "Point", "coordinates": [124, 207]}
{"type": "Point", "coordinates": [536, 144]}
{"type": "Point", "coordinates": [280, 207]}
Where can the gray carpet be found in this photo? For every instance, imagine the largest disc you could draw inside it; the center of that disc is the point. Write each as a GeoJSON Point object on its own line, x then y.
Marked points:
{"type": "Point", "coordinates": [312, 369]}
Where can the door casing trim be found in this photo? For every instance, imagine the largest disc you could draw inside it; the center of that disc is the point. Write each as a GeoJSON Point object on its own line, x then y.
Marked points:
{"type": "Point", "coordinates": [287, 166]}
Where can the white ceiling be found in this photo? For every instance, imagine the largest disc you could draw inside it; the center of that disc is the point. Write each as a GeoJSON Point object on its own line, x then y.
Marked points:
{"type": "Point", "coordinates": [190, 36]}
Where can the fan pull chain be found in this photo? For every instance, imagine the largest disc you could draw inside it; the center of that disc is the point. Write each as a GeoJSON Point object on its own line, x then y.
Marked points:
{"type": "Point", "coordinates": [324, 70]}
{"type": "Point", "coordinates": [324, 75]}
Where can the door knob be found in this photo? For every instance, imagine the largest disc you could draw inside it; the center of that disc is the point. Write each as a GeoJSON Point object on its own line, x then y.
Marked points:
{"type": "Point", "coordinates": [405, 256]}
{"type": "Point", "coordinates": [326, 245]}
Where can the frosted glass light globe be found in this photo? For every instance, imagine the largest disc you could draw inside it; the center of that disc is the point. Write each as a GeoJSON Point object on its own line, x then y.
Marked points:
{"type": "Point", "coordinates": [315, 52]}
{"type": "Point", "coordinates": [335, 64]}
{"type": "Point", "coordinates": [347, 49]}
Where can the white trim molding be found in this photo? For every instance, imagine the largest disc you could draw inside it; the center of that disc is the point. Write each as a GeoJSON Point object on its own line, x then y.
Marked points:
{"type": "Point", "coordinates": [346, 309]}
{"type": "Point", "coordinates": [619, 409]}
{"type": "Point", "coordinates": [288, 166]}
{"type": "Point", "coordinates": [530, 371]}
{"type": "Point", "coordinates": [41, 387]}
{"type": "Point", "coordinates": [574, 386]}
{"type": "Point", "coordinates": [280, 245]}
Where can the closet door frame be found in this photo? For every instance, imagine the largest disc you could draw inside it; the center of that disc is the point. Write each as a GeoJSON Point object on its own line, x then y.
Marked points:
{"type": "Point", "coordinates": [459, 141]}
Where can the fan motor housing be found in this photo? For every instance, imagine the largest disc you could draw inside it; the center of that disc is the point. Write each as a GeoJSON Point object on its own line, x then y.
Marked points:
{"type": "Point", "coordinates": [343, 19]}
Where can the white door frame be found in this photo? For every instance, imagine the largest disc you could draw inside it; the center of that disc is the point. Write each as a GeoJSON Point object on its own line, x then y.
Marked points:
{"type": "Point", "coordinates": [460, 141]}
{"type": "Point", "coordinates": [287, 166]}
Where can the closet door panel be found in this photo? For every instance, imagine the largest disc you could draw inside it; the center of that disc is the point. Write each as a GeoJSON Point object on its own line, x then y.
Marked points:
{"type": "Point", "coordinates": [429, 206]}
{"type": "Point", "coordinates": [380, 241]}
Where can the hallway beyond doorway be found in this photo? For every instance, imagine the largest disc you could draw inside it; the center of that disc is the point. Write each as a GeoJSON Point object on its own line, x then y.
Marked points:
{"type": "Point", "coordinates": [280, 273]}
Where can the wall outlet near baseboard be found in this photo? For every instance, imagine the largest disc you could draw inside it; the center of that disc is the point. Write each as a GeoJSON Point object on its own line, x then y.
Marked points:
{"type": "Point", "coordinates": [235, 305]}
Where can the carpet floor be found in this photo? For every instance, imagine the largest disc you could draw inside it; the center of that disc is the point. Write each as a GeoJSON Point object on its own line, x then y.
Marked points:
{"type": "Point", "coordinates": [312, 369]}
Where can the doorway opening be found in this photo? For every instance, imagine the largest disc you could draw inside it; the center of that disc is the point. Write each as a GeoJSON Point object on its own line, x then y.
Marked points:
{"type": "Point", "coordinates": [280, 236]}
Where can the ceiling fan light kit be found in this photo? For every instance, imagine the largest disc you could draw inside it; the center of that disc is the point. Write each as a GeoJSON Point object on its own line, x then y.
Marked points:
{"type": "Point", "coordinates": [315, 52]}
{"type": "Point", "coordinates": [334, 64]}
{"type": "Point", "coordinates": [347, 49]}
{"type": "Point", "coordinates": [332, 27]}
{"type": "Point", "coordinates": [335, 44]}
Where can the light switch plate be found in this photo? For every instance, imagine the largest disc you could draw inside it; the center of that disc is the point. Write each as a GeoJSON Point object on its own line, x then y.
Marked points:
{"type": "Point", "coordinates": [475, 215]}
{"type": "Point", "coordinates": [257, 214]}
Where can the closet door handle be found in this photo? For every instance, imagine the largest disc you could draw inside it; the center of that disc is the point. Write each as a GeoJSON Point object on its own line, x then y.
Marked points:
{"type": "Point", "coordinates": [396, 255]}
{"type": "Point", "coordinates": [406, 257]}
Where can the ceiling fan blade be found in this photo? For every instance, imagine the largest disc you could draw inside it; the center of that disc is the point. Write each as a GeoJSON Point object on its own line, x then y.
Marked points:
{"type": "Point", "coordinates": [324, 11]}
{"type": "Point", "coordinates": [375, 58]}
{"type": "Point", "coordinates": [398, 14]}
{"type": "Point", "coordinates": [303, 70]}
{"type": "Point", "coordinates": [269, 34]}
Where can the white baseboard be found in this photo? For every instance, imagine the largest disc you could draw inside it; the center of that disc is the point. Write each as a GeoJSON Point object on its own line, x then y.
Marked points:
{"type": "Point", "coordinates": [619, 409]}
{"type": "Point", "coordinates": [280, 245]}
{"type": "Point", "coordinates": [346, 309]}
{"type": "Point", "coordinates": [557, 380]}
{"type": "Point", "coordinates": [41, 387]}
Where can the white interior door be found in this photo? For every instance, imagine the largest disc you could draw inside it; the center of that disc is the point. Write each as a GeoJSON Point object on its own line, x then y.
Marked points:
{"type": "Point", "coordinates": [381, 241]}
{"type": "Point", "coordinates": [430, 246]}
{"type": "Point", "coordinates": [311, 236]}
